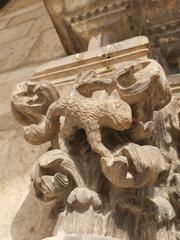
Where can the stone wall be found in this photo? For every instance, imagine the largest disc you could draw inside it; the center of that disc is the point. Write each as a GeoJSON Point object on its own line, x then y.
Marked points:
{"type": "Point", "coordinates": [27, 35]}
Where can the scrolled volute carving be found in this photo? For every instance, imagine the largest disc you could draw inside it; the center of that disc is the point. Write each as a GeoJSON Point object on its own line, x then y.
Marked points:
{"type": "Point", "coordinates": [31, 100]}
{"type": "Point", "coordinates": [136, 166]}
{"type": "Point", "coordinates": [56, 177]}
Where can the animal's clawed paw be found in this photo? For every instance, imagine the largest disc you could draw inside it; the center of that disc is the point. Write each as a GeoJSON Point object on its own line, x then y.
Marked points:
{"type": "Point", "coordinates": [84, 197]}
{"type": "Point", "coordinates": [115, 162]}
{"type": "Point", "coordinates": [108, 162]}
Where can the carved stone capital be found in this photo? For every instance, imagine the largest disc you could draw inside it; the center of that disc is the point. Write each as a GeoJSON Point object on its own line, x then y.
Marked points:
{"type": "Point", "coordinates": [115, 171]}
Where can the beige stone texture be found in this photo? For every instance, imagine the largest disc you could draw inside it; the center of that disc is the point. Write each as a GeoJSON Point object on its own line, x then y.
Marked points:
{"type": "Point", "coordinates": [27, 39]}
{"type": "Point", "coordinates": [10, 34]}
{"type": "Point", "coordinates": [3, 24]}
{"type": "Point", "coordinates": [127, 165]}
{"type": "Point", "coordinates": [41, 24]}
{"type": "Point", "coordinates": [42, 49]}
{"type": "Point", "coordinates": [15, 55]}
{"type": "Point", "coordinates": [16, 5]}
{"type": "Point", "coordinates": [27, 35]}
{"type": "Point", "coordinates": [35, 13]}
{"type": "Point", "coordinates": [21, 216]}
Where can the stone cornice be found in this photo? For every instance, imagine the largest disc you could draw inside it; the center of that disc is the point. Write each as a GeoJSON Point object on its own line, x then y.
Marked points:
{"type": "Point", "coordinates": [63, 71]}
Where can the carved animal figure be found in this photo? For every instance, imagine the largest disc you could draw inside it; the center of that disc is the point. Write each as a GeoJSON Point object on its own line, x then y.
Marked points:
{"type": "Point", "coordinates": [137, 82]}
{"type": "Point", "coordinates": [85, 113]}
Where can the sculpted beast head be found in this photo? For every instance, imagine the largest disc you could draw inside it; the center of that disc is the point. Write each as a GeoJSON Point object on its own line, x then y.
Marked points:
{"type": "Point", "coordinates": [30, 101]}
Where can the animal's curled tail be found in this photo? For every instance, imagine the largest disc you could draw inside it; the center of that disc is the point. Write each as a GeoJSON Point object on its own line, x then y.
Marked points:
{"type": "Point", "coordinates": [49, 127]}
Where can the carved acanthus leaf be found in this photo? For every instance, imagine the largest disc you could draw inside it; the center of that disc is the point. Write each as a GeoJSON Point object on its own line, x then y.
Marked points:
{"type": "Point", "coordinates": [135, 166]}
{"type": "Point", "coordinates": [56, 170]}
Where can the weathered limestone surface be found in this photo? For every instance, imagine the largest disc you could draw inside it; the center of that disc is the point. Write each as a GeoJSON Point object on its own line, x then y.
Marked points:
{"type": "Point", "coordinates": [21, 216]}
{"type": "Point", "coordinates": [24, 28]}
{"type": "Point", "coordinates": [112, 170]}
{"type": "Point", "coordinates": [27, 35]}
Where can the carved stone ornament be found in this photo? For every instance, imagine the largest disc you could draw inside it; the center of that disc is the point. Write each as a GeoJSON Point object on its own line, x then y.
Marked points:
{"type": "Point", "coordinates": [113, 168]}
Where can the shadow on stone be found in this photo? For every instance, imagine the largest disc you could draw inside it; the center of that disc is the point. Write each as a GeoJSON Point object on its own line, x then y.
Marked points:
{"type": "Point", "coordinates": [32, 221]}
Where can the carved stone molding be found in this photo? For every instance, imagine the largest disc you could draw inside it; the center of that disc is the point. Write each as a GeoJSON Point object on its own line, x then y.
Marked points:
{"type": "Point", "coordinates": [64, 70]}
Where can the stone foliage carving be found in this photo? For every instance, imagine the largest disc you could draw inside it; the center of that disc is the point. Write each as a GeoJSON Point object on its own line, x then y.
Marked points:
{"type": "Point", "coordinates": [117, 170]}
{"type": "Point", "coordinates": [30, 101]}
